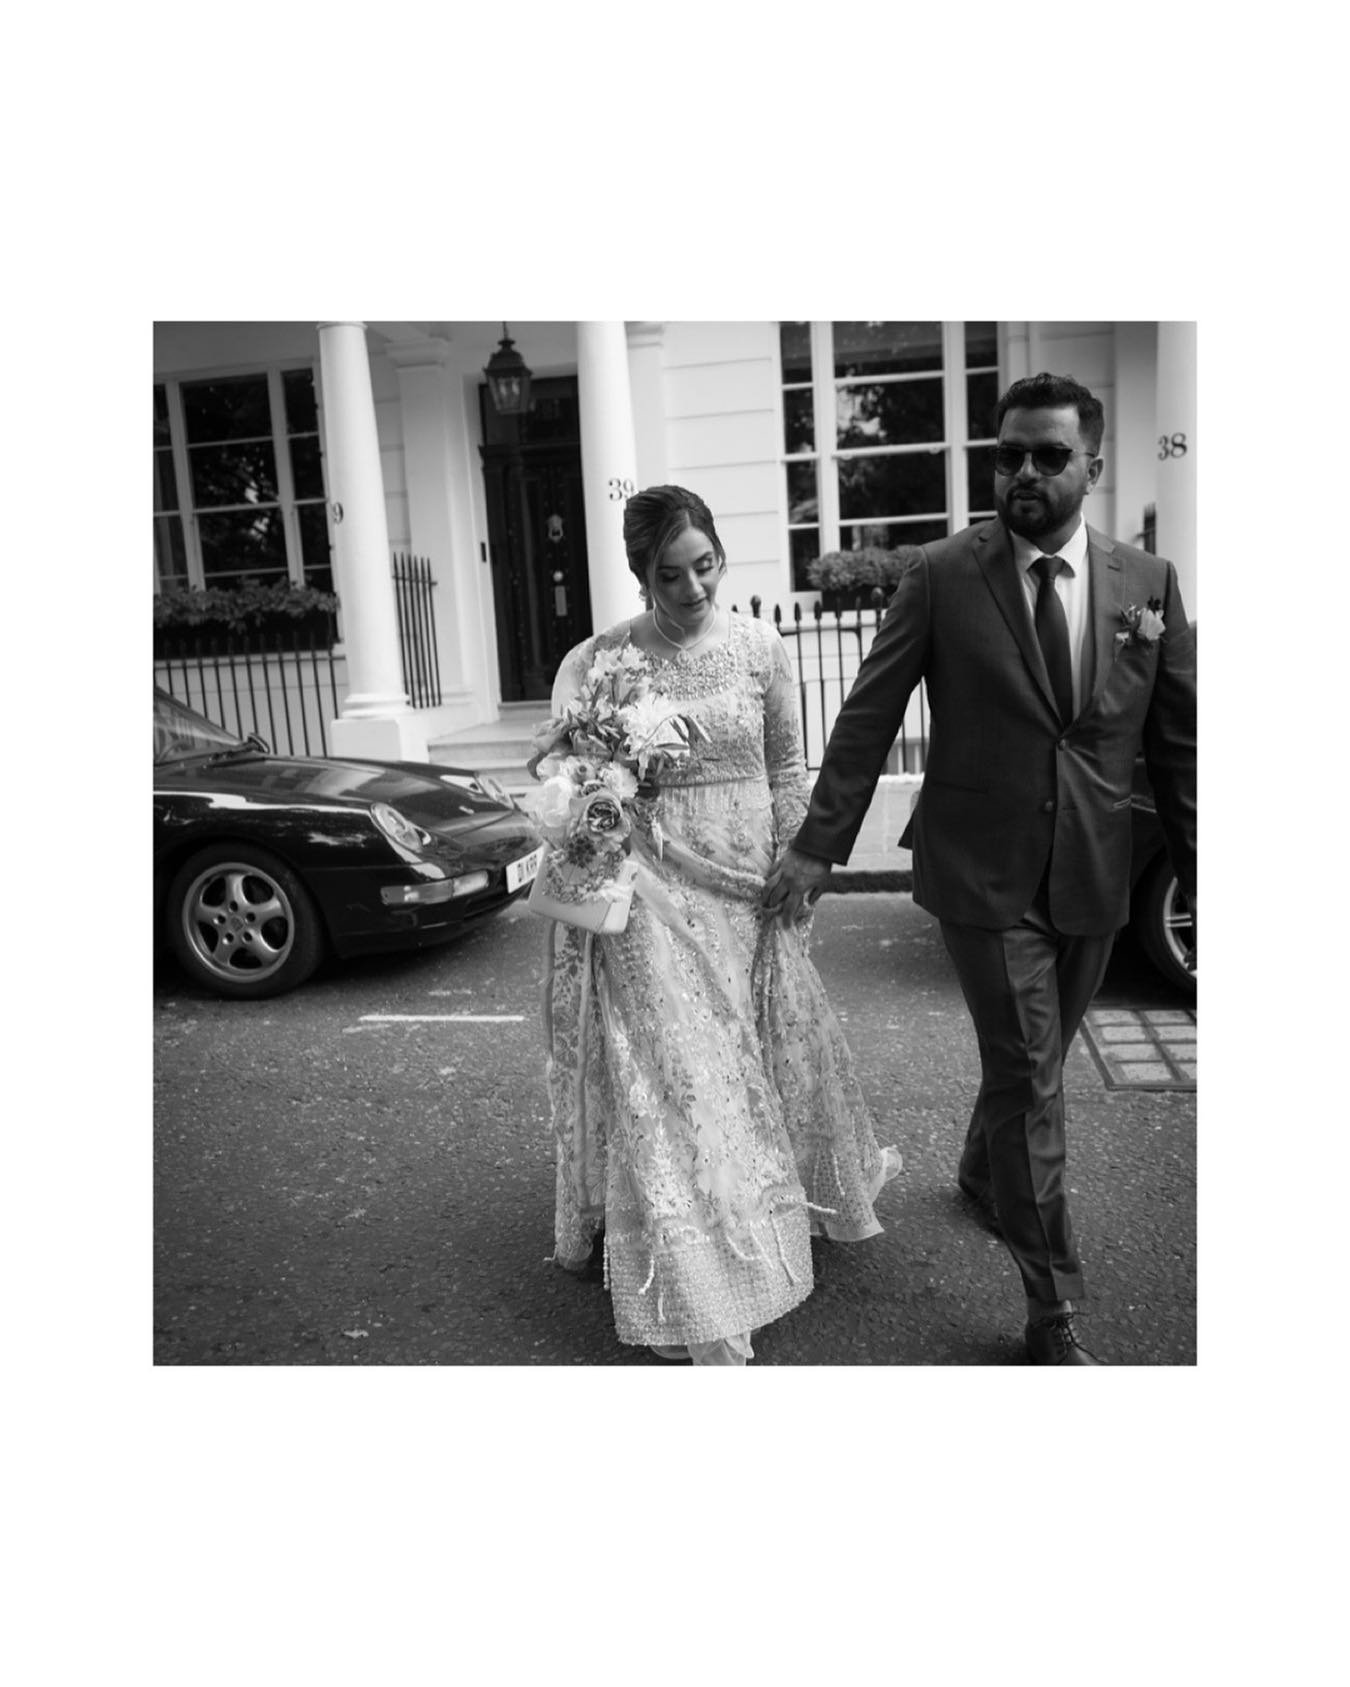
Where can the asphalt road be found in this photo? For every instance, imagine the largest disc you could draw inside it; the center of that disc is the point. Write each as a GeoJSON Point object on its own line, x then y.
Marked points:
{"type": "Point", "coordinates": [336, 1184]}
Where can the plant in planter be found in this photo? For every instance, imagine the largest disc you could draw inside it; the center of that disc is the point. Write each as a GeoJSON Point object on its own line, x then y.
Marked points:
{"type": "Point", "coordinates": [244, 613]}
{"type": "Point", "coordinates": [848, 577]}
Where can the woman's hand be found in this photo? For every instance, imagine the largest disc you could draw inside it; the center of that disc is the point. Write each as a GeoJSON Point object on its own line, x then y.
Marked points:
{"type": "Point", "coordinates": [794, 885]}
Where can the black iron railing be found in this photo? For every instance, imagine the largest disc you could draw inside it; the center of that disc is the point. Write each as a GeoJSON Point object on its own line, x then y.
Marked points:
{"type": "Point", "coordinates": [414, 590]}
{"type": "Point", "coordinates": [281, 685]}
{"type": "Point", "coordinates": [827, 647]}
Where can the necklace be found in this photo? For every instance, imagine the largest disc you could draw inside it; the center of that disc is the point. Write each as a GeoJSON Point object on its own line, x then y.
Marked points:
{"type": "Point", "coordinates": [678, 644]}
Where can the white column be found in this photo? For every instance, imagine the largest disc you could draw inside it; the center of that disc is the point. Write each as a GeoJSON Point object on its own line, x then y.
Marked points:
{"type": "Point", "coordinates": [608, 466]}
{"type": "Point", "coordinates": [1134, 449]}
{"type": "Point", "coordinates": [1016, 354]}
{"type": "Point", "coordinates": [375, 719]}
{"type": "Point", "coordinates": [1176, 445]}
{"type": "Point", "coordinates": [646, 372]}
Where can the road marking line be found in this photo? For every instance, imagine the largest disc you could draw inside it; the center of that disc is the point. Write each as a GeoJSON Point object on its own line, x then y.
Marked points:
{"type": "Point", "coordinates": [443, 1018]}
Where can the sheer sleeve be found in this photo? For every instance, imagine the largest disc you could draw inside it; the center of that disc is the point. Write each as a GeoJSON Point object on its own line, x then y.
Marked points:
{"type": "Point", "coordinates": [784, 758]}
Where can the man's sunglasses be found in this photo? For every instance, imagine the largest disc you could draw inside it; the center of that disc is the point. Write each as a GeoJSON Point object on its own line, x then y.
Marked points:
{"type": "Point", "coordinates": [1049, 459]}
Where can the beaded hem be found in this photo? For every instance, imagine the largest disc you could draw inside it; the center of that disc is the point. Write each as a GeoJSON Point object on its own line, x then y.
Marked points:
{"type": "Point", "coordinates": [836, 1228]}
{"type": "Point", "coordinates": [712, 1289]}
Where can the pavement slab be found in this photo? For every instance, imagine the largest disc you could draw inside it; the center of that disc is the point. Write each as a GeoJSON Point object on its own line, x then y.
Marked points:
{"type": "Point", "coordinates": [1143, 1048]}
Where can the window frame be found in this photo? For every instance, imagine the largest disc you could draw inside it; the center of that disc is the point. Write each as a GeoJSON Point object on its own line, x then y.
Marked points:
{"type": "Point", "coordinates": [955, 445]}
{"type": "Point", "coordinates": [287, 503]}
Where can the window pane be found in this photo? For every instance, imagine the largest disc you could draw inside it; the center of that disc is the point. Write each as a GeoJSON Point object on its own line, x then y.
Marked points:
{"type": "Point", "coordinates": [245, 542]}
{"type": "Point", "coordinates": [307, 466]}
{"type": "Point", "coordinates": [890, 535]}
{"type": "Point", "coordinates": [805, 548]}
{"type": "Point", "coordinates": [803, 496]}
{"type": "Point", "coordinates": [981, 344]}
{"type": "Point", "coordinates": [889, 413]}
{"type": "Point", "coordinates": [302, 410]}
{"type": "Point", "coordinates": [166, 483]}
{"type": "Point", "coordinates": [794, 340]}
{"type": "Point", "coordinates": [872, 488]}
{"type": "Point", "coordinates": [981, 405]}
{"type": "Point", "coordinates": [886, 348]}
{"type": "Point", "coordinates": [161, 416]}
{"type": "Point", "coordinates": [233, 474]}
{"type": "Point", "coordinates": [170, 553]}
{"type": "Point", "coordinates": [314, 548]}
{"type": "Point", "coordinates": [799, 429]}
{"type": "Point", "coordinates": [235, 408]}
{"type": "Point", "coordinates": [980, 479]}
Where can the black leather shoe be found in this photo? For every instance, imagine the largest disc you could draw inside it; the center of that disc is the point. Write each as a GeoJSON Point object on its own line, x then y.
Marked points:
{"type": "Point", "coordinates": [981, 1201]}
{"type": "Point", "coordinates": [1054, 1341]}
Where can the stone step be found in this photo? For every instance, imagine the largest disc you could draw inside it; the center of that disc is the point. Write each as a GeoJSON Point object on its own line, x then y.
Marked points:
{"type": "Point", "coordinates": [501, 747]}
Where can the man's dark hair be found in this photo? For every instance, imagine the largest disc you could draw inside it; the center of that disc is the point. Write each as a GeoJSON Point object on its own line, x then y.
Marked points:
{"type": "Point", "coordinates": [1050, 392]}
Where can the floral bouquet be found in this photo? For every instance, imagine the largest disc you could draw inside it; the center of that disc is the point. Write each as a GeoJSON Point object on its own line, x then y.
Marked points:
{"type": "Point", "coordinates": [601, 760]}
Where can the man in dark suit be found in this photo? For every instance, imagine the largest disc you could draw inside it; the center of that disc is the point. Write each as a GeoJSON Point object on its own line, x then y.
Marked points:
{"type": "Point", "coordinates": [1052, 656]}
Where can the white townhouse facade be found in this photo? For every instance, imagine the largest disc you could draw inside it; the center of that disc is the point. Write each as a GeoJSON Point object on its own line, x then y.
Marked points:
{"type": "Point", "coordinates": [311, 452]}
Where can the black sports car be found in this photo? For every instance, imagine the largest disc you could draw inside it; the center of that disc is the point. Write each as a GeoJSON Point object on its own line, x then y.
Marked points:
{"type": "Point", "coordinates": [264, 863]}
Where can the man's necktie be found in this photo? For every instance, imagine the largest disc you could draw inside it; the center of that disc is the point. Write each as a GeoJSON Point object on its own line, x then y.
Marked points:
{"type": "Point", "coordinates": [1053, 632]}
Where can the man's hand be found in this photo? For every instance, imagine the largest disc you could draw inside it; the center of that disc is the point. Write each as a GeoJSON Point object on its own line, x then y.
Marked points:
{"type": "Point", "coordinates": [794, 885]}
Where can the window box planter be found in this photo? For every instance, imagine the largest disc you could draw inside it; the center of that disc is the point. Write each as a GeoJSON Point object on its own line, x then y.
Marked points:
{"type": "Point", "coordinates": [251, 618]}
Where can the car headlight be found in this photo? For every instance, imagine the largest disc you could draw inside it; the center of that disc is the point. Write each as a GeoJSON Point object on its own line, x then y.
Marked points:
{"type": "Point", "coordinates": [397, 827]}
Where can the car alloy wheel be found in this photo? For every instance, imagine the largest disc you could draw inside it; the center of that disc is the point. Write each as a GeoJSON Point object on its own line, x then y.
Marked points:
{"type": "Point", "coordinates": [241, 922]}
{"type": "Point", "coordinates": [1163, 924]}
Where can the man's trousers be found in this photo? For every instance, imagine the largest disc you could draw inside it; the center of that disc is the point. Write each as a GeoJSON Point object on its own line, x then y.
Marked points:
{"type": "Point", "coordinates": [1027, 989]}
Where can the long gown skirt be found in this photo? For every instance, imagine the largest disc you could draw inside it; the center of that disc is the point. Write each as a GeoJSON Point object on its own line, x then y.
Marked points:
{"type": "Point", "coordinates": [703, 1096]}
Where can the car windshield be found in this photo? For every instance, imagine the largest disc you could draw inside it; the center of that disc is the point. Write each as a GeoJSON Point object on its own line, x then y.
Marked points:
{"type": "Point", "coordinates": [181, 732]}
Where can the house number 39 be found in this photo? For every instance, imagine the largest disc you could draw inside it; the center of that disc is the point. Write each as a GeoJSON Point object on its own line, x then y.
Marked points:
{"type": "Point", "coordinates": [1171, 445]}
{"type": "Point", "coordinates": [621, 489]}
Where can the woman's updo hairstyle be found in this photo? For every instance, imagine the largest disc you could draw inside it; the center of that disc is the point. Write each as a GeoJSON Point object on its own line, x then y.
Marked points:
{"type": "Point", "coordinates": [652, 518]}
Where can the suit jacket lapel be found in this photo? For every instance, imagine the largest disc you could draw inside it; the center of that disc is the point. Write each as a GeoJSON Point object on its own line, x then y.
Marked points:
{"type": "Point", "coordinates": [994, 553]}
{"type": "Point", "coordinates": [1107, 579]}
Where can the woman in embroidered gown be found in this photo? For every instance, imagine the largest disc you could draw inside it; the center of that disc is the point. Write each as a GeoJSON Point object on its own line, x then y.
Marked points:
{"type": "Point", "coordinates": [705, 1110]}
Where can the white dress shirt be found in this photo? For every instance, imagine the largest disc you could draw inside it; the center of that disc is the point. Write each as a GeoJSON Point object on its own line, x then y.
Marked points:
{"type": "Point", "coordinates": [1073, 590]}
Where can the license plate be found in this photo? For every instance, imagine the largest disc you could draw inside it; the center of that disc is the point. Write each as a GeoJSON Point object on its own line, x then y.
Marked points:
{"type": "Point", "coordinates": [522, 871]}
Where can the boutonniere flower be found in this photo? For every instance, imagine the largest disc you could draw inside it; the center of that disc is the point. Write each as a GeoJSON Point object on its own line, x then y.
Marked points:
{"type": "Point", "coordinates": [1142, 626]}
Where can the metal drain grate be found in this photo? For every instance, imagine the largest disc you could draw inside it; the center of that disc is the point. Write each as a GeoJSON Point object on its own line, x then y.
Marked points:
{"type": "Point", "coordinates": [1143, 1048]}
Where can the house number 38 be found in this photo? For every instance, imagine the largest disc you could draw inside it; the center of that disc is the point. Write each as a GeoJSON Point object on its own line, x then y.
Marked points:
{"type": "Point", "coordinates": [621, 489]}
{"type": "Point", "coordinates": [1171, 445]}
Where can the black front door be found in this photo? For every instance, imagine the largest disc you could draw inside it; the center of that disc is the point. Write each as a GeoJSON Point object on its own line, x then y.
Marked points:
{"type": "Point", "coordinates": [536, 536]}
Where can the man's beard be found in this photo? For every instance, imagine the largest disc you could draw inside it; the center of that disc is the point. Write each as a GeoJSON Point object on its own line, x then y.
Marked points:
{"type": "Point", "coordinates": [1028, 520]}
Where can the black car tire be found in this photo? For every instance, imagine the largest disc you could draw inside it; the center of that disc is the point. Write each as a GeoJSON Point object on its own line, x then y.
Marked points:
{"type": "Point", "coordinates": [1160, 919]}
{"type": "Point", "coordinates": [241, 923]}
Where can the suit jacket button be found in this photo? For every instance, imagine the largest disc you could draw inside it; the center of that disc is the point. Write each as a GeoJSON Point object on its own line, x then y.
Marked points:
{"type": "Point", "coordinates": [1061, 743]}
{"type": "Point", "coordinates": [1048, 807]}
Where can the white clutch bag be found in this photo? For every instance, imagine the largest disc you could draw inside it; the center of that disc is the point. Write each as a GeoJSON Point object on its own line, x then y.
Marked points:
{"type": "Point", "coordinates": [595, 904]}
